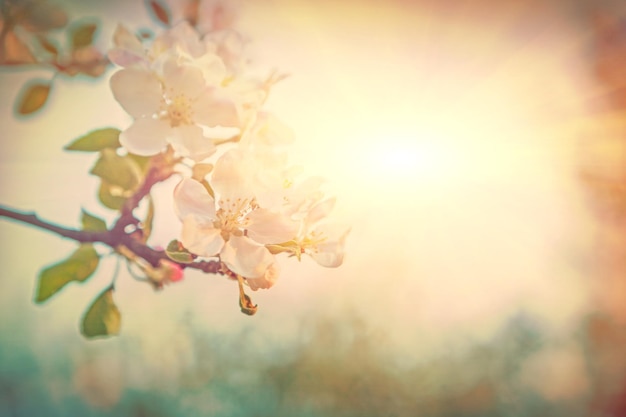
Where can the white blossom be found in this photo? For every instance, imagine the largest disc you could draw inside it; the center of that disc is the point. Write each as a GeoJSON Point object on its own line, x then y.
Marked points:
{"type": "Point", "coordinates": [171, 107]}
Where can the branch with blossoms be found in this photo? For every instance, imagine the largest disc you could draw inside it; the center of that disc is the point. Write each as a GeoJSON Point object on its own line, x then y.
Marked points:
{"type": "Point", "coordinates": [196, 116]}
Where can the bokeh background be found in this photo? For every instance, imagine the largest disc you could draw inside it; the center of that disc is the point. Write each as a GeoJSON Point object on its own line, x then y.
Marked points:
{"type": "Point", "coordinates": [476, 147]}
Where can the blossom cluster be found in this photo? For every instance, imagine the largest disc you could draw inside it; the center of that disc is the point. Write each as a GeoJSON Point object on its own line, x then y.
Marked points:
{"type": "Point", "coordinates": [188, 93]}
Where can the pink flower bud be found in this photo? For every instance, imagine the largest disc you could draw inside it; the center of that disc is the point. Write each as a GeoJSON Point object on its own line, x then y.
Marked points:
{"type": "Point", "coordinates": [172, 272]}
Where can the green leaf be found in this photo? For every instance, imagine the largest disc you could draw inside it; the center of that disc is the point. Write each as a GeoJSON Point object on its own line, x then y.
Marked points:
{"type": "Point", "coordinates": [176, 252]}
{"type": "Point", "coordinates": [117, 170]}
{"type": "Point", "coordinates": [159, 11]}
{"type": "Point", "coordinates": [82, 35]}
{"type": "Point", "coordinates": [96, 140]}
{"type": "Point", "coordinates": [103, 318]}
{"type": "Point", "coordinates": [247, 306]}
{"type": "Point", "coordinates": [32, 97]}
{"type": "Point", "coordinates": [48, 45]}
{"type": "Point", "coordinates": [109, 197]}
{"type": "Point", "coordinates": [13, 51]}
{"type": "Point", "coordinates": [149, 220]}
{"type": "Point", "coordinates": [92, 223]}
{"type": "Point", "coordinates": [142, 161]}
{"type": "Point", "coordinates": [78, 267]}
{"type": "Point", "coordinates": [289, 246]}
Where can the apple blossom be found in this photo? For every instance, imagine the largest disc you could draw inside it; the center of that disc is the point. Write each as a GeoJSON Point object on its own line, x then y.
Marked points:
{"type": "Point", "coordinates": [233, 228]}
{"type": "Point", "coordinates": [181, 41]}
{"type": "Point", "coordinates": [179, 89]}
{"type": "Point", "coordinates": [170, 108]}
{"type": "Point", "coordinates": [195, 111]}
{"type": "Point", "coordinates": [318, 237]}
{"type": "Point", "coordinates": [207, 15]}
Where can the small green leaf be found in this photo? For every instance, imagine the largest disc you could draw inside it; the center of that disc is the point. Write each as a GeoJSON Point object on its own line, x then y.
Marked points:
{"type": "Point", "coordinates": [247, 306]}
{"type": "Point", "coordinates": [32, 97]}
{"type": "Point", "coordinates": [117, 170]}
{"type": "Point", "coordinates": [96, 140]}
{"type": "Point", "coordinates": [78, 267]}
{"type": "Point", "coordinates": [103, 318]}
{"type": "Point", "coordinates": [176, 252]}
{"type": "Point", "coordinates": [149, 220]}
{"type": "Point", "coordinates": [142, 161]}
{"type": "Point", "coordinates": [48, 45]}
{"type": "Point", "coordinates": [109, 197]}
{"type": "Point", "coordinates": [159, 11]}
{"type": "Point", "coordinates": [290, 246]}
{"type": "Point", "coordinates": [82, 35]}
{"type": "Point", "coordinates": [13, 51]}
{"type": "Point", "coordinates": [92, 223]}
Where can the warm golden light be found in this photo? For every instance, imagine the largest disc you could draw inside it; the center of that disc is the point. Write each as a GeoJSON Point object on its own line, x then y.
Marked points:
{"type": "Point", "coordinates": [402, 159]}
{"type": "Point", "coordinates": [450, 133]}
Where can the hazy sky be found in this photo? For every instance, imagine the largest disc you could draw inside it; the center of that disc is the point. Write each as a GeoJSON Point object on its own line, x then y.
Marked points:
{"type": "Point", "coordinates": [451, 135]}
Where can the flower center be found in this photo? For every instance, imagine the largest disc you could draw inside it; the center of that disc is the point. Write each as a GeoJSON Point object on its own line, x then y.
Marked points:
{"type": "Point", "coordinates": [310, 242]}
{"type": "Point", "coordinates": [231, 216]}
{"type": "Point", "coordinates": [178, 110]}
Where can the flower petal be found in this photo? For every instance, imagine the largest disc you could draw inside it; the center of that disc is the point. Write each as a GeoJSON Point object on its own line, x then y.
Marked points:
{"type": "Point", "coordinates": [270, 227]}
{"type": "Point", "coordinates": [232, 175]}
{"type": "Point", "coordinates": [213, 68]}
{"type": "Point", "coordinates": [266, 281]}
{"type": "Point", "coordinates": [268, 130]}
{"type": "Point", "coordinates": [245, 257]}
{"type": "Point", "coordinates": [145, 136]}
{"type": "Point", "coordinates": [320, 210]}
{"type": "Point", "coordinates": [190, 141]}
{"type": "Point", "coordinates": [128, 49]}
{"type": "Point", "coordinates": [138, 91]}
{"type": "Point", "coordinates": [183, 79]}
{"type": "Point", "coordinates": [190, 197]}
{"type": "Point", "coordinates": [212, 108]}
{"type": "Point", "coordinates": [200, 237]}
{"type": "Point", "coordinates": [181, 37]}
{"type": "Point", "coordinates": [330, 253]}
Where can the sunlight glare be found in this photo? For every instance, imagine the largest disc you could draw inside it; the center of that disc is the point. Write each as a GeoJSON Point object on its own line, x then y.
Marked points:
{"type": "Point", "coordinates": [409, 158]}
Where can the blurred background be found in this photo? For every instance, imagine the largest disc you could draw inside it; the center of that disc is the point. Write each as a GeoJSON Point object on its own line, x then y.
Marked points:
{"type": "Point", "coordinates": [477, 149]}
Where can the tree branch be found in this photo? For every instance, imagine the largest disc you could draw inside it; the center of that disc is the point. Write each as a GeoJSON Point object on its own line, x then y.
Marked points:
{"type": "Point", "coordinates": [112, 238]}
{"type": "Point", "coordinates": [83, 236]}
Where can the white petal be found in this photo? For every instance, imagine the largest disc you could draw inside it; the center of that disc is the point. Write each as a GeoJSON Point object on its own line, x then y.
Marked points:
{"type": "Point", "coordinates": [211, 108]}
{"type": "Point", "coordinates": [330, 256]}
{"type": "Point", "coordinates": [182, 36]}
{"type": "Point", "coordinates": [201, 238]}
{"type": "Point", "coordinates": [145, 136]}
{"type": "Point", "coordinates": [190, 141]}
{"type": "Point", "coordinates": [272, 132]}
{"type": "Point", "coordinates": [128, 49]}
{"type": "Point", "coordinates": [246, 258]}
{"type": "Point", "coordinates": [330, 253]}
{"type": "Point", "coordinates": [271, 227]}
{"type": "Point", "coordinates": [231, 177]}
{"type": "Point", "coordinates": [303, 195]}
{"type": "Point", "coordinates": [320, 210]}
{"type": "Point", "coordinates": [183, 79]}
{"type": "Point", "coordinates": [229, 45]}
{"type": "Point", "coordinates": [213, 68]}
{"type": "Point", "coordinates": [190, 197]}
{"type": "Point", "coordinates": [123, 38]}
{"type": "Point", "coordinates": [137, 90]}
{"type": "Point", "coordinates": [125, 58]}
{"type": "Point", "coordinates": [267, 281]}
